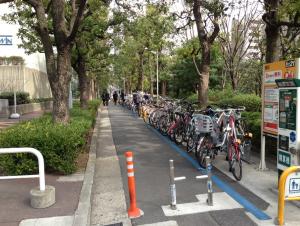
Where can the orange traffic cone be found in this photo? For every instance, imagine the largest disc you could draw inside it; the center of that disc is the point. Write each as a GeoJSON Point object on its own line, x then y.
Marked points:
{"type": "Point", "coordinates": [133, 211]}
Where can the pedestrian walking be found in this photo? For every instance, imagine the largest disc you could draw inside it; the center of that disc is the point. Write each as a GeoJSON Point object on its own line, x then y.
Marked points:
{"type": "Point", "coordinates": [103, 97]}
{"type": "Point", "coordinates": [107, 97]}
{"type": "Point", "coordinates": [115, 97]}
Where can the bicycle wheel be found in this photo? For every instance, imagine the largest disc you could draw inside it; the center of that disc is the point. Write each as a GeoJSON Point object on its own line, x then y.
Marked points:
{"type": "Point", "coordinates": [204, 148]}
{"type": "Point", "coordinates": [163, 125]}
{"type": "Point", "coordinates": [235, 161]}
{"type": "Point", "coordinates": [178, 135]}
{"type": "Point", "coordinates": [171, 132]}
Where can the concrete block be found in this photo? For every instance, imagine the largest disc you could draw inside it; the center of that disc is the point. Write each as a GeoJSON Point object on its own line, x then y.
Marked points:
{"type": "Point", "coordinates": [42, 199]}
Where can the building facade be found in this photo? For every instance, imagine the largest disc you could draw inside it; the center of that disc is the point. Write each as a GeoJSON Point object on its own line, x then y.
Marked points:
{"type": "Point", "coordinates": [31, 76]}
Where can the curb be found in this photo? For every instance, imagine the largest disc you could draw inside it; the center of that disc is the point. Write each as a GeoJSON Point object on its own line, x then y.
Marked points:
{"type": "Point", "coordinates": [83, 211]}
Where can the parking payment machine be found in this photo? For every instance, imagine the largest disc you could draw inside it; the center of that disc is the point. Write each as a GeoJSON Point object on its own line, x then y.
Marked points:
{"type": "Point", "coordinates": [288, 149]}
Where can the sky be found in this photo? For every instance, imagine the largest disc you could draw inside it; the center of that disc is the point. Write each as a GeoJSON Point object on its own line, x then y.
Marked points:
{"type": "Point", "coordinates": [177, 7]}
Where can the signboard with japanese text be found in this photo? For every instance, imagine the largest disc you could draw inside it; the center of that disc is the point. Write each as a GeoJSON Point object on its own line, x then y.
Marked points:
{"type": "Point", "coordinates": [270, 109]}
{"type": "Point", "coordinates": [6, 40]}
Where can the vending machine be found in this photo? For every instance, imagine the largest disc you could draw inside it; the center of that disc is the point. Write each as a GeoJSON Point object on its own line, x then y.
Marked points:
{"type": "Point", "coordinates": [288, 151]}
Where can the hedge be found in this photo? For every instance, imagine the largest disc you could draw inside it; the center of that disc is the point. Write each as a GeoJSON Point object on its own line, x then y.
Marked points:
{"type": "Point", "coordinates": [22, 97]}
{"type": "Point", "coordinates": [59, 144]}
{"type": "Point", "coordinates": [250, 101]}
{"type": "Point", "coordinates": [225, 98]}
{"type": "Point", "coordinates": [253, 122]}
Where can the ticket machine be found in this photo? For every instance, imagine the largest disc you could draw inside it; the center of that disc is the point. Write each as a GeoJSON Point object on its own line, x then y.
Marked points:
{"type": "Point", "coordinates": [288, 148]}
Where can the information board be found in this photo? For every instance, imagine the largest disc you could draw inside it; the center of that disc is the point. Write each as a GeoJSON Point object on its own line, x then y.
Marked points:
{"type": "Point", "coordinates": [270, 108]}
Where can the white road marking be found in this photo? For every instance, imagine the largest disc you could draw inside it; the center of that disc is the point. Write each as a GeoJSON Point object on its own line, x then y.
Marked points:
{"type": "Point", "coordinates": [163, 223]}
{"type": "Point", "coordinates": [221, 201]}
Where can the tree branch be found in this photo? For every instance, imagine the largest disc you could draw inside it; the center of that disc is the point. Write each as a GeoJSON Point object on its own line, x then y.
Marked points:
{"type": "Point", "coordinates": [5, 1]}
{"type": "Point", "coordinates": [75, 25]}
{"type": "Point", "coordinates": [288, 23]}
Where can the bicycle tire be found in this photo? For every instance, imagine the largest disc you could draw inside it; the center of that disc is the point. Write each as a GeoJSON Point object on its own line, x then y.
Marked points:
{"type": "Point", "coordinates": [191, 143]}
{"type": "Point", "coordinates": [235, 161]}
{"type": "Point", "coordinates": [237, 168]}
{"type": "Point", "coordinates": [163, 127]}
{"type": "Point", "coordinates": [178, 136]}
{"type": "Point", "coordinates": [205, 145]}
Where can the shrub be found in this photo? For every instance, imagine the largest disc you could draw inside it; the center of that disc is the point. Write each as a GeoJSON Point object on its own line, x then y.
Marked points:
{"type": "Point", "coordinates": [22, 97]}
{"type": "Point", "coordinates": [93, 105]}
{"type": "Point", "coordinates": [253, 121]}
{"type": "Point", "coordinates": [250, 101]}
{"type": "Point", "coordinates": [216, 95]}
{"type": "Point", "coordinates": [39, 100]}
{"type": "Point", "coordinates": [59, 144]}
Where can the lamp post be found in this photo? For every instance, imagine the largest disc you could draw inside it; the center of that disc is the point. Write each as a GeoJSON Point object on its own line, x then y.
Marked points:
{"type": "Point", "coordinates": [15, 115]}
{"type": "Point", "coordinates": [155, 53]}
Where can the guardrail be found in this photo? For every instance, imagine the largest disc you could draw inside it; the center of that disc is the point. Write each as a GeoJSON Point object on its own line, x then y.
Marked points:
{"type": "Point", "coordinates": [40, 158]}
{"type": "Point", "coordinates": [293, 191]}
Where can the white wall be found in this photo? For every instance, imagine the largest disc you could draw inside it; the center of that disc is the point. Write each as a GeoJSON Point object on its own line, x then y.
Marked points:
{"type": "Point", "coordinates": [34, 61]}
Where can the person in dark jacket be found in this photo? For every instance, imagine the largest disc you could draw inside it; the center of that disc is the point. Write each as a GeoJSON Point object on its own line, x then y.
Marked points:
{"type": "Point", "coordinates": [107, 97]}
{"type": "Point", "coordinates": [115, 97]}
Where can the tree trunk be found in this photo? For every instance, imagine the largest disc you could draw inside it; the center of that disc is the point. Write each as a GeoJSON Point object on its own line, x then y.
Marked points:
{"type": "Point", "coordinates": [164, 88]}
{"type": "Point", "coordinates": [204, 76]}
{"type": "Point", "coordinates": [140, 85]}
{"type": "Point", "coordinates": [233, 79]}
{"type": "Point", "coordinates": [84, 82]}
{"type": "Point", "coordinates": [60, 86]}
{"type": "Point", "coordinates": [151, 85]}
{"type": "Point", "coordinates": [91, 87]}
{"type": "Point", "coordinates": [272, 31]}
{"type": "Point", "coordinates": [205, 41]}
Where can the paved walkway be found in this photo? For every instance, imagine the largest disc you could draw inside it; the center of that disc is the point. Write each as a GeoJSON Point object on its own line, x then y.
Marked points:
{"type": "Point", "coordinates": [108, 200]}
{"type": "Point", "coordinates": [151, 158]}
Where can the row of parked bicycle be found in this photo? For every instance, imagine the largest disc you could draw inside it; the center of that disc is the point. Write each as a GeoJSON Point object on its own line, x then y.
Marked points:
{"type": "Point", "coordinates": [204, 132]}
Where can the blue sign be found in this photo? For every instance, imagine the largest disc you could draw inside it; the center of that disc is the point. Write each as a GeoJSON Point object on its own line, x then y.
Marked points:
{"type": "Point", "coordinates": [6, 40]}
{"type": "Point", "coordinates": [293, 136]}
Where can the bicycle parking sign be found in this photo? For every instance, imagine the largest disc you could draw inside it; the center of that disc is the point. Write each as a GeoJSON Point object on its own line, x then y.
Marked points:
{"type": "Point", "coordinates": [292, 186]}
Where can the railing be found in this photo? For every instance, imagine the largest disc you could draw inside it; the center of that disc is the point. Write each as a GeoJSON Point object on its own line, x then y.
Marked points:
{"type": "Point", "coordinates": [40, 158]}
{"type": "Point", "coordinates": [282, 196]}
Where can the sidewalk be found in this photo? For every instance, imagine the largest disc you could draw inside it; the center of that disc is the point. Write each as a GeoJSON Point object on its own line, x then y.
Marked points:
{"type": "Point", "coordinates": [108, 205]}
{"type": "Point", "coordinates": [264, 185]}
{"type": "Point", "coordinates": [73, 194]}
{"type": "Point", "coordinates": [5, 122]}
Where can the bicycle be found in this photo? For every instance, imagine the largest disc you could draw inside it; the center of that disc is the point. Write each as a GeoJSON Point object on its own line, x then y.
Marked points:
{"type": "Point", "coordinates": [222, 135]}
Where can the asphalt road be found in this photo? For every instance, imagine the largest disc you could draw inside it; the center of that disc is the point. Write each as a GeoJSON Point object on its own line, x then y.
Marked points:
{"type": "Point", "coordinates": [151, 163]}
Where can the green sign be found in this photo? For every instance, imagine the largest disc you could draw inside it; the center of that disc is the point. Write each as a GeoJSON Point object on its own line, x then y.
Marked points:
{"type": "Point", "coordinates": [284, 158]}
{"type": "Point", "coordinates": [287, 109]}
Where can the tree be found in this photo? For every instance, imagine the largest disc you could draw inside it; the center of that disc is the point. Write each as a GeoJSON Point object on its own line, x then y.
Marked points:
{"type": "Point", "coordinates": [238, 28]}
{"type": "Point", "coordinates": [206, 13]}
{"type": "Point", "coordinates": [62, 19]}
{"type": "Point", "coordinates": [139, 37]}
{"type": "Point", "coordinates": [88, 44]}
{"type": "Point", "coordinates": [185, 79]}
{"type": "Point", "coordinates": [279, 14]}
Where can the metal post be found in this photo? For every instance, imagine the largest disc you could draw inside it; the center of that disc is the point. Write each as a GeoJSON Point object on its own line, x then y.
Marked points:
{"type": "Point", "coordinates": [172, 185]}
{"type": "Point", "coordinates": [15, 102]}
{"type": "Point", "coordinates": [209, 182]}
{"type": "Point", "coordinates": [262, 164]}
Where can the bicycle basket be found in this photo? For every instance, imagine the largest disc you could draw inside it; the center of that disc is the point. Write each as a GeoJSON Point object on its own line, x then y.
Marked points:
{"type": "Point", "coordinates": [203, 123]}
